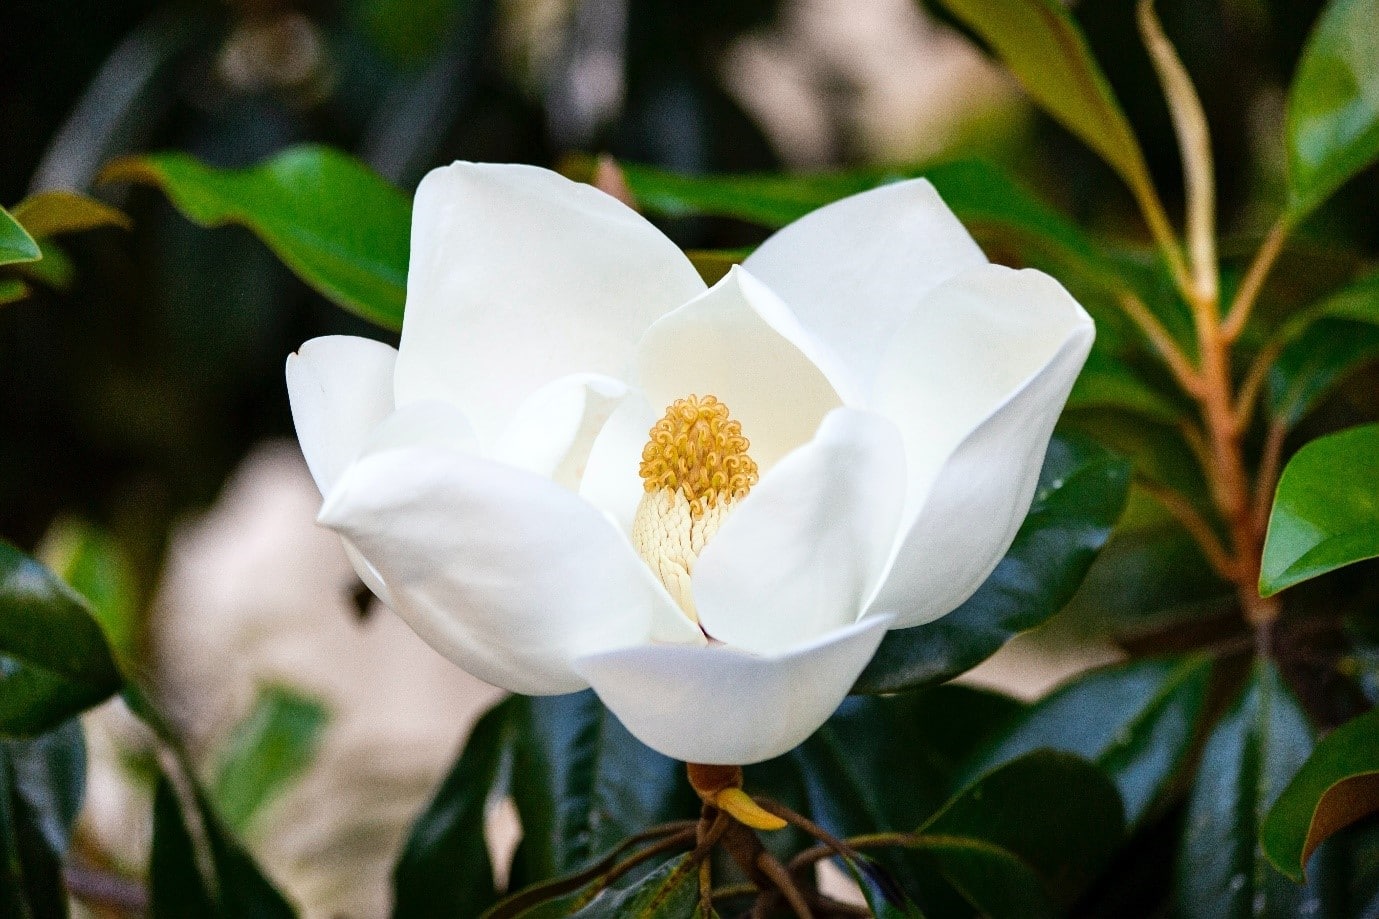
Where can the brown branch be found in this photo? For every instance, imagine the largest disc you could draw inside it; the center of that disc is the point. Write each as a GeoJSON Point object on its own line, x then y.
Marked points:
{"type": "Point", "coordinates": [1196, 526]}
{"type": "Point", "coordinates": [1253, 384]}
{"type": "Point", "coordinates": [1187, 376]}
{"type": "Point", "coordinates": [1270, 462]}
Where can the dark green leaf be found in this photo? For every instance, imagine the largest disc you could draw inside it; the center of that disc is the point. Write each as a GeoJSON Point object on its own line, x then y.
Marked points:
{"type": "Point", "coordinates": [1326, 510]}
{"type": "Point", "coordinates": [12, 290]}
{"type": "Point", "coordinates": [265, 753]}
{"type": "Point", "coordinates": [407, 30]}
{"type": "Point", "coordinates": [1107, 383]}
{"type": "Point", "coordinates": [886, 898]}
{"type": "Point", "coordinates": [1054, 812]}
{"type": "Point", "coordinates": [1082, 491]}
{"type": "Point", "coordinates": [669, 892]}
{"type": "Point", "coordinates": [1338, 785]}
{"type": "Point", "coordinates": [1251, 755]}
{"type": "Point", "coordinates": [1319, 346]}
{"type": "Point", "coordinates": [1333, 104]}
{"type": "Point", "coordinates": [54, 269]}
{"type": "Point", "coordinates": [1136, 721]}
{"type": "Point", "coordinates": [445, 865]}
{"type": "Point", "coordinates": [582, 784]}
{"type": "Point", "coordinates": [177, 888]}
{"type": "Point", "coordinates": [992, 879]}
{"type": "Point", "coordinates": [339, 226]}
{"type": "Point", "coordinates": [1043, 47]}
{"type": "Point", "coordinates": [54, 660]}
{"type": "Point", "coordinates": [16, 245]}
{"type": "Point", "coordinates": [51, 213]}
{"type": "Point", "coordinates": [41, 784]}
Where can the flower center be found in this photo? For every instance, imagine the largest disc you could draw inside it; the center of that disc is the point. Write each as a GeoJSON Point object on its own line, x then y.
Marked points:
{"type": "Point", "coordinates": [694, 469]}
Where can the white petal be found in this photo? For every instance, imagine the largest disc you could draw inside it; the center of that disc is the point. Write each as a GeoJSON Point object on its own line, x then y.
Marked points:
{"type": "Point", "coordinates": [553, 431]}
{"type": "Point", "coordinates": [976, 381]}
{"type": "Point", "coordinates": [611, 479]}
{"type": "Point", "coordinates": [739, 342]}
{"type": "Point", "coordinates": [339, 387]}
{"type": "Point", "coordinates": [519, 276]}
{"type": "Point", "coordinates": [803, 553]}
{"type": "Point", "coordinates": [505, 573]}
{"type": "Point", "coordinates": [853, 270]}
{"type": "Point", "coordinates": [422, 424]}
{"type": "Point", "coordinates": [721, 706]}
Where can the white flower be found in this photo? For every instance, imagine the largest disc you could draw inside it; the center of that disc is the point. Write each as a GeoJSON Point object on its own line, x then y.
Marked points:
{"type": "Point", "coordinates": [578, 450]}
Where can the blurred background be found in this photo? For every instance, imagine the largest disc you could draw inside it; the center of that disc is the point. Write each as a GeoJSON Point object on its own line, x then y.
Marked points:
{"type": "Point", "coordinates": [142, 394]}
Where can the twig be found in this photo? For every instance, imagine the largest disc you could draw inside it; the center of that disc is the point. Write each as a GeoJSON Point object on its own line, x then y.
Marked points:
{"type": "Point", "coordinates": [1149, 325]}
{"type": "Point", "coordinates": [1270, 461]}
{"type": "Point", "coordinates": [1196, 526]}
{"type": "Point", "coordinates": [1253, 282]}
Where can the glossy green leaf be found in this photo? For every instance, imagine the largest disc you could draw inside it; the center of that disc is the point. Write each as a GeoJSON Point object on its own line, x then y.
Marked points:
{"type": "Point", "coordinates": [669, 892]}
{"type": "Point", "coordinates": [1081, 494]}
{"type": "Point", "coordinates": [1250, 757]}
{"type": "Point", "coordinates": [1136, 721]}
{"type": "Point", "coordinates": [41, 785]}
{"type": "Point", "coordinates": [177, 888]}
{"type": "Point", "coordinates": [58, 211]}
{"type": "Point", "coordinates": [445, 865]}
{"type": "Point", "coordinates": [1333, 105]}
{"type": "Point", "coordinates": [334, 222]}
{"type": "Point", "coordinates": [582, 784]}
{"type": "Point", "coordinates": [54, 659]}
{"type": "Point", "coordinates": [1066, 836]}
{"type": "Point", "coordinates": [992, 879]}
{"type": "Point", "coordinates": [274, 744]}
{"type": "Point", "coordinates": [1326, 510]}
{"type": "Point", "coordinates": [1338, 785]}
{"type": "Point", "coordinates": [16, 245]}
{"type": "Point", "coordinates": [1043, 47]}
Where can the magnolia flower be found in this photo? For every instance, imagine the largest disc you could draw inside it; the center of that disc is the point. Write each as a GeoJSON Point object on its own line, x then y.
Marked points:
{"type": "Point", "coordinates": [583, 468]}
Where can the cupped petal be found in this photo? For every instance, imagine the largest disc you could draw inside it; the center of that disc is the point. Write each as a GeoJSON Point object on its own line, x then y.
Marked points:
{"type": "Point", "coordinates": [803, 553]}
{"type": "Point", "coordinates": [740, 343]}
{"type": "Point", "coordinates": [519, 276]}
{"type": "Point", "coordinates": [504, 572]}
{"type": "Point", "coordinates": [339, 387]}
{"type": "Point", "coordinates": [552, 432]}
{"type": "Point", "coordinates": [854, 270]}
{"type": "Point", "coordinates": [611, 480]}
{"type": "Point", "coordinates": [975, 381]}
{"type": "Point", "coordinates": [722, 706]}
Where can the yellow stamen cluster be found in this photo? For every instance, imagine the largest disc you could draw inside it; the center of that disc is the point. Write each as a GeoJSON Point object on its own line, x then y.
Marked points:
{"type": "Point", "coordinates": [698, 450]}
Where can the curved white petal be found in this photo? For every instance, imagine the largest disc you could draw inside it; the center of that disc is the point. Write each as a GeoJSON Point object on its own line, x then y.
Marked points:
{"type": "Point", "coordinates": [611, 480]}
{"type": "Point", "coordinates": [552, 432]}
{"type": "Point", "coordinates": [519, 276]}
{"type": "Point", "coordinates": [339, 387]}
{"type": "Point", "coordinates": [853, 270]}
{"type": "Point", "coordinates": [505, 573]}
{"type": "Point", "coordinates": [422, 424]}
{"type": "Point", "coordinates": [976, 381]}
{"type": "Point", "coordinates": [739, 342]}
{"type": "Point", "coordinates": [803, 553]}
{"type": "Point", "coordinates": [721, 706]}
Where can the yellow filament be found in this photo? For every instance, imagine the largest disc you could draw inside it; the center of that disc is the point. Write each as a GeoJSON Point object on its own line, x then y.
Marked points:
{"type": "Point", "coordinates": [699, 451]}
{"type": "Point", "coordinates": [739, 805]}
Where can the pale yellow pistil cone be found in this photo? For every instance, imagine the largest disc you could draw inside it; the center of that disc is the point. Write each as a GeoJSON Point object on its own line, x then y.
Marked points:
{"type": "Point", "coordinates": [694, 468]}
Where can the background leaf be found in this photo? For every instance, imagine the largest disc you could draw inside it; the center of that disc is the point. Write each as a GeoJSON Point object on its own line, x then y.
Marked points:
{"type": "Point", "coordinates": [1326, 510]}
{"type": "Point", "coordinates": [51, 213]}
{"type": "Point", "coordinates": [1081, 494]}
{"type": "Point", "coordinates": [1136, 721]}
{"type": "Point", "coordinates": [1251, 755]}
{"type": "Point", "coordinates": [1338, 785]}
{"type": "Point", "coordinates": [54, 659]}
{"type": "Point", "coordinates": [1333, 104]}
{"type": "Point", "coordinates": [1043, 47]}
{"type": "Point", "coordinates": [41, 786]}
{"type": "Point", "coordinates": [16, 245]}
{"type": "Point", "coordinates": [274, 744]}
{"type": "Point", "coordinates": [339, 226]}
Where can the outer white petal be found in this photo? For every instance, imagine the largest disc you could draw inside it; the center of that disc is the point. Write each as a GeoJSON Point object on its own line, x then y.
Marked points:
{"type": "Point", "coordinates": [739, 342]}
{"type": "Point", "coordinates": [505, 573]}
{"type": "Point", "coordinates": [854, 270]}
{"type": "Point", "coordinates": [976, 381]}
{"type": "Point", "coordinates": [803, 553]}
{"type": "Point", "coordinates": [339, 387]}
{"type": "Point", "coordinates": [519, 276]}
{"type": "Point", "coordinates": [553, 431]}
{"type": "Point", "coordinates": [721, 706]}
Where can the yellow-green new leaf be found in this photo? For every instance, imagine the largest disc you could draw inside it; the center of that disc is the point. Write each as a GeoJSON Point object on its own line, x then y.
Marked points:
{"type": "Point", "coordinates": [51, 213]}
